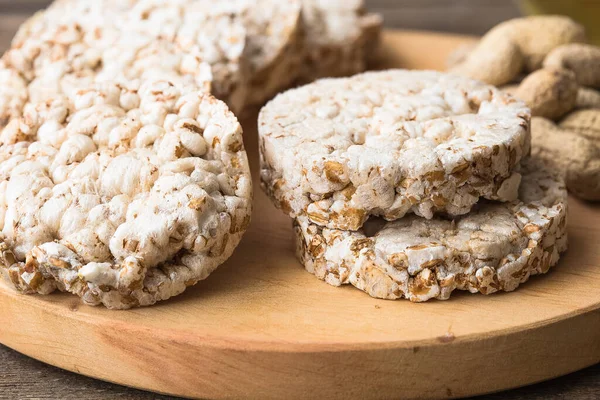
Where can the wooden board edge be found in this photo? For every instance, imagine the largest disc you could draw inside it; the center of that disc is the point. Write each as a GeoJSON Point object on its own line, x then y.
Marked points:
{"type": "Point", "coordinates": [184, 366]}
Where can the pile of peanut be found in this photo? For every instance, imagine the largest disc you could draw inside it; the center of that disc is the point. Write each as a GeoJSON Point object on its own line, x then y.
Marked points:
{"type": "Point", "coordinates": [545, 61]}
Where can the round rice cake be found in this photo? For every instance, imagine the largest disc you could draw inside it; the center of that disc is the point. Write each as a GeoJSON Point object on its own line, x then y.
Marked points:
{"type": "Point", "coordinates": [388, 143]}
{"type": "Point", "coordinates": [75, 43]}
{"type": "Point", "coordinates": [249, 65]}
{"type": "Point", "coordinates": [260, 66]}
{"type": "Point", "coordinates": [339, 36]}
{"type": "Point", "coordinates": [121, 193]}
{"type": "Point", "coordinates": [273, 47]}
{"type": "Point", "coordinates": [495, 247]}
{"type": "Point", "coordinates": [202, 31]}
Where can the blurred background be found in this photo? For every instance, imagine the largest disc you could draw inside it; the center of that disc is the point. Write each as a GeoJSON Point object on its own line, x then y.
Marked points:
{"type": "Point", "coordinates": [473, 17]}
{"type": "Point", "coordinates": [458, 16]}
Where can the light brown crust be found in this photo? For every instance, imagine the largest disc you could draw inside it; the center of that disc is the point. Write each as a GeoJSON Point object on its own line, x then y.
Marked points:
{"type": "Point", "coordinates": [388, 143]}
{"type": "Point", "coordinates": [338, 38]}
{"type": "Point", "coordinates": [274, 48]}
{"type": "Point", "coordinates": [124, 194]}
{"type": "Point", "coordinates": [76, 43]}
{"type": "Point", "coordinates": [494, 248]}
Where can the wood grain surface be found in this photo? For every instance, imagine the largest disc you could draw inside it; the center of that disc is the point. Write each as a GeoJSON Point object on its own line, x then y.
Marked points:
{"type": "Point", "coordinates": [25, 378]}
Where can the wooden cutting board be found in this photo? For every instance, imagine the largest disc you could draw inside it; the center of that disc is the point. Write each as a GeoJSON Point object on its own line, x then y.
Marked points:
{"type": "Point", "coordinates": [262, 327]}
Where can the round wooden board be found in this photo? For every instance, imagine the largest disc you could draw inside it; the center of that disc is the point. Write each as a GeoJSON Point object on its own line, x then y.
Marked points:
{"type": "Point", "coordinates": [262, 327]}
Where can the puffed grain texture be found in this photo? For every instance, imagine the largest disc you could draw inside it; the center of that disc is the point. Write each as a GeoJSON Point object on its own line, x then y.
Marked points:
{"type": "Point", "coordinates": [274, 48]}
{"type": "Point", "coordinates": [339, 37]}
{"type": "Point", "coordinates": [123, 194]}
{"type": "Point", "coordinates": [202, 31]}
{"type": "Point", "coordinates": [494, 248]}
{"type": "Point", "coordinates": [75, 43]}
{"type": "Point", "coordinates": [388, 143]}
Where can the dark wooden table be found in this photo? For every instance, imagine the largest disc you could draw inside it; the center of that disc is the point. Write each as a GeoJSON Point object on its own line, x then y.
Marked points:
{"type": "Point", "coordinates": [24, 378]}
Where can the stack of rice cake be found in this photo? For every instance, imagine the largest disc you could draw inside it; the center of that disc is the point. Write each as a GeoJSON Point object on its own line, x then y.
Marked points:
{"type": "Point", "coordinates": [411, 184]}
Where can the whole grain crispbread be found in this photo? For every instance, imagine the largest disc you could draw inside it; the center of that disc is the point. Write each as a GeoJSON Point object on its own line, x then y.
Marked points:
{"type": "Point", "coordinates": [121, 193]}
{"type": "Point", "coordinates": [496, 247]}
{"type": "Point", "coordinates": [274, 48]}
{"type": "Point", "coordinates": [74, 43]}
{"type": "Point", "coordinates": [339, 38]}
{"type": "Point", "coordinates": [389, 143]}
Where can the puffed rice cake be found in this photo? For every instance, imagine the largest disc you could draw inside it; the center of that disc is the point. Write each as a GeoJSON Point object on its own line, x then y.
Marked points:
{"type": "Point", "coordinates": [495, 247]}
{"type": "Point", "coordinates": [339, 37]}
{"type": "Point", "coordinates": [242, 51]}
{"type": "Point", "coordinates": [76, 42]}
{"type": "Point", "coordinates": [121, 193]}
{"type": "Point", "coordinates": [298, 41]}
{"type": "Point", "coordinates": [274, 48]}
{"type": "Point", "coordinates": [388, 143]}
{"type": "Point", "coordinates": [203, 31]}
